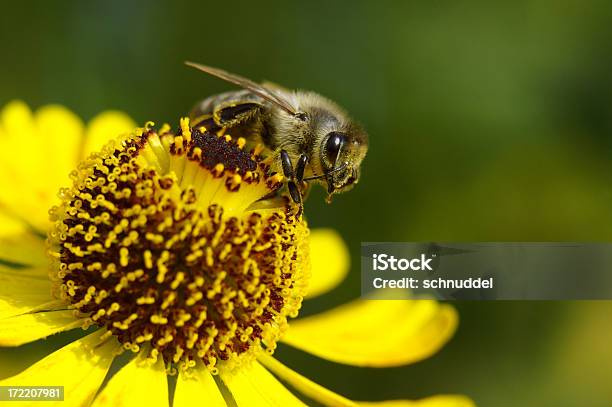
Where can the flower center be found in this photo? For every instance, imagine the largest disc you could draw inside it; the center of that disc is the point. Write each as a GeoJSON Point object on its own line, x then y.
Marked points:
{"type": "Point", "coordinates": [165, 241]}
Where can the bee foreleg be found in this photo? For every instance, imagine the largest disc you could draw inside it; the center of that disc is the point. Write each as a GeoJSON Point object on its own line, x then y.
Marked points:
{"type": "Point", "coordinates": [293, 185]}
{"type": "Point", "coordinates": [286, 163]}
{"type": "Point", "coordinates": [295, 193]}
{"type": "Point", "coordinates": [300, 167]}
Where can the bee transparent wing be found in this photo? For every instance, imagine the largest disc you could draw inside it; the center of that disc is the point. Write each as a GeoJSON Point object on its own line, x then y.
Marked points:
{"type": "Point", "coordinates": [275, 87]}
{"type": "Point", "coordinates": [245, 83]}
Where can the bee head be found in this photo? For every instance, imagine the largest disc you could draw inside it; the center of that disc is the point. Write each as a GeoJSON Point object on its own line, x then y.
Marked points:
{"type": "Point", "coordinates": [339, 145]}
{"type": "Point", "coordinates": [341, 157]}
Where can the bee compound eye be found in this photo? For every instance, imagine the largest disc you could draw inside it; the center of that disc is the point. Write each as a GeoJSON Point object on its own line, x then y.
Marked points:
{"type": "Point", "coordinates": [333, 145]}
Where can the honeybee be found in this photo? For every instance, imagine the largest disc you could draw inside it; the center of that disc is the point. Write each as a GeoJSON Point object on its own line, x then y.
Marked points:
{"type": "Point", "coordinates": [311, 137]}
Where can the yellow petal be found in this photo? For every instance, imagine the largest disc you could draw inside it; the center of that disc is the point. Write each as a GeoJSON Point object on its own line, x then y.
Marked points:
{"type": "Point", "coordinates": [201, 386]}
{"type": "Point", "coordinates": [37, 151]}
{"type": "Point", "coordinates": [22, 290]}
{"type": "Point", "coordinates": [330, 261]}
{"type": "Point", "coordinates": [16, 119]}
{"type": "Point", "coordinates": [327, 397]}
{"type": "Point", "coordinates": [451, 400]}
{"type": "Point", "coordinates": [304, 385]}
{"type": "Point", "coordinates": [23, 248]}
{"type": "Point", "coordinates": [255, 386]}
{"type": "Point", "coordinates": [137, 384]}
{"type": "Point", "coordinates": [80, 367]}
{"type": "Point", "coordinates": [375, 333]}
{"type": "Point", "coordinates": [104, 127]}
{"type": "Point", "coordinates": [61, 136]}
{"type": "Point", "coordinates": [20, 161]}
{"type": "Point", "coordinates": [9, 271]}
{"type": "Point", "coordinates": [19, 329]}
{"type": "Point", "coordinates": [9, 225]}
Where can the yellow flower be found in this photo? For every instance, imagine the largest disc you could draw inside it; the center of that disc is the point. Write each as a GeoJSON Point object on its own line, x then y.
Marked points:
{"type": "Point", "coordinates": [160, 244]}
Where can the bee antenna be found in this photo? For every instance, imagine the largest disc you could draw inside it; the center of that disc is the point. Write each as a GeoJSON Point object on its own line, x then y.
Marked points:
{"type": "Point", "coordinates": [343, 166]}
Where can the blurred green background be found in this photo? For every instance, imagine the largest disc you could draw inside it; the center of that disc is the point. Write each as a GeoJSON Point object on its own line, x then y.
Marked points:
{"type": "Point", "coordinates": [489, 121]}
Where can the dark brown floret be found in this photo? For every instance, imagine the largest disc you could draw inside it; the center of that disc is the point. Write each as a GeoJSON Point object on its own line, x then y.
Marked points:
{"type": "Point", "coordinates": [228, 153]}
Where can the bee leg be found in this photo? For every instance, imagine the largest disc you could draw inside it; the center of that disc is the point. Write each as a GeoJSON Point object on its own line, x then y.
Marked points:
{"type": "Point", "coordinates": [232, 114]}
{"type": "Point", "coordinates": [300, 167]}
{"type": "Point", "coordinates": [287, 166]}
{"type": "Point", "coordinates": [305, 188]}
{"type": "Point", "coordinates": [295, 193]}
{"type": "Point", "coordinates": [292, 186]}
{"type": "Point", "coordinates": [302, 186]}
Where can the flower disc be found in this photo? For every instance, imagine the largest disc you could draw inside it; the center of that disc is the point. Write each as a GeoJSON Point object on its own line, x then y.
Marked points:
{"type": "Point", "coordinates": [181, 243]}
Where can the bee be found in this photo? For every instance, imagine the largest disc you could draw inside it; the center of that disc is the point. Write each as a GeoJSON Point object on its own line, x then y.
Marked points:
{"type": "Point", "coordinates": [311, 137]}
